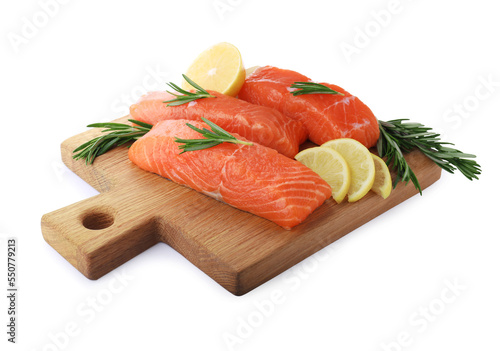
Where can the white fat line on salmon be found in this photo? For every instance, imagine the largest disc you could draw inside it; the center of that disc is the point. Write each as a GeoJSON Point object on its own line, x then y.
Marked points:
{"type": "Point", "coordinates": [267, 80]}
{"type": "Point", "coordinates": [282, 200]}
{"type": "Point", "coordinates": [216, 193]}
{"type": "Point", "coordinates": [289, 208]}
{"type": "Point", "coordinates": [346, 100]}
{"type": "Point", "coordinates": [31, 25]}
{"type": "Point", "coordinates": [302, 182]}
{"type": "Point", "coordinates": [356, 126]}
{"type": "Point", "coordinates": [364, 35]}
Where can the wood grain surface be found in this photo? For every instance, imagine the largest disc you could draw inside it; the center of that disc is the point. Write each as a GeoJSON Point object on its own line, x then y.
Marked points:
{"type": "Point", "coordinates": [136, 210]}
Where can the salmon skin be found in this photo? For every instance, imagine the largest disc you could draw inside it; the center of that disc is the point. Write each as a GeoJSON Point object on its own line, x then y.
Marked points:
{"type": "Point", "coordinates": [325, 116]}
{"type": "Point", "coordinates": [255, 178]}
{"type": "Point", "coordinates": [256, 123]}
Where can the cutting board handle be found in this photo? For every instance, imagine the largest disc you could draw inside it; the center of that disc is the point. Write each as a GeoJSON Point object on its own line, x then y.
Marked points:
{"type": "Point", "coordinates": [97, 235]}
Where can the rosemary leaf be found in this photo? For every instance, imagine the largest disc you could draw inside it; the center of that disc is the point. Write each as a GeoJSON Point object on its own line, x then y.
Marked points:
{"type": "Point", "coordinates": [312, 88]}
{"type": "Point", "coordinates": [117, 135]}
{"type": "Point", "coordinates": [186, 96]}
{"type": "Point", "coordinates": [213, 137]}
{"type": "Point", "coordinates": [398, 136]}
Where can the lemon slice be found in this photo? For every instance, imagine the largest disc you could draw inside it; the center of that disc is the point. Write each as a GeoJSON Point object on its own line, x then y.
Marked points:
{"type": "Point", "coordinates": [330, 166]}
{"type": "Point", "coordinates": [360, 163]}
{"type": "Point", "coordinates": [218, 68]}
{"type": "Point", "coordinates": [383, 182]}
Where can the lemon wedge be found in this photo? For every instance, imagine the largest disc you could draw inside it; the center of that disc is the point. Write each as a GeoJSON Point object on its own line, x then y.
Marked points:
{"type": "Point", "coordinates": [383, 182]}
{"type": "Point", "coordinates": [219, 68]}
{"type": "Point", "coordinates": [361, 165]}
{"type": "Point", "coordinates": [330, 166]}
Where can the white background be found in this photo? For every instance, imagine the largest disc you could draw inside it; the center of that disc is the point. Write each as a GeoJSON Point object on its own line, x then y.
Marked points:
{"type": "Point", "coordinates": [84, 61]}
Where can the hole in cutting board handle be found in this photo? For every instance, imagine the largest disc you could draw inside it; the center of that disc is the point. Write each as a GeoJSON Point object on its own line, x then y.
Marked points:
{"type": "Point", "coordinates": [97, 219]}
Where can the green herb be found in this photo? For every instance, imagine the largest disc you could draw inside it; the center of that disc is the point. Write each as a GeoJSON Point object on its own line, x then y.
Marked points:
{"type": "Point", "coordinates": [213, 137]}
{"type": "Point", "coordinates": [186, 96]}
{"type": "Point", "coordinates": [120, 133]}
{"type": "Point", "coordinates": [398, 136]}
{"type": "Point", "coordinates": [312, 88]}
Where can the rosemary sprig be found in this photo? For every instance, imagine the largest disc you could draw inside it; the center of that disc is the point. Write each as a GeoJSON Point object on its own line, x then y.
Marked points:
{"type": "Point", "coordinates": [186, 96]}
{"type": "Point", "coordinates": [398, 136]}
{"type": "Point", "coordinates": [312, 88]}
{"type": "Point", "coordinates": [120, 133]}
{"type": "Point", "coordinates": [213, 137]}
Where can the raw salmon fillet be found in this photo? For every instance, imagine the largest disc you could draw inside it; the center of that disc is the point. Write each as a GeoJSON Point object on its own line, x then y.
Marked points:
{"type": "Point", "coordinates": [325, 116]}
{"type": "Point", "coordinates": [256, 123]}
{"type": "Point", "coordinates": [252, 178]}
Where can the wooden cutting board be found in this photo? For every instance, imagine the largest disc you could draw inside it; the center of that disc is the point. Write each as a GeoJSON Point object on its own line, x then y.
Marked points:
{"type": "Point", "coordinates": [240, 251]}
